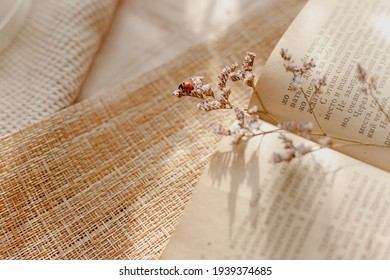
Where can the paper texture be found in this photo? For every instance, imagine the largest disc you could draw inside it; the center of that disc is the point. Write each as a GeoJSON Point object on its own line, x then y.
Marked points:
{"type": "Point", "coordinates": [338, 35]}
{"type": "Point", "coordinates": [323, 206]}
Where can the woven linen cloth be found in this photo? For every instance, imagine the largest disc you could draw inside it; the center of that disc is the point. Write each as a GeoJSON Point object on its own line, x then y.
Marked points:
{"type": "Point", "coordinates": [43, 68]}
{"type": "Point", "coordinates": [108, 178]}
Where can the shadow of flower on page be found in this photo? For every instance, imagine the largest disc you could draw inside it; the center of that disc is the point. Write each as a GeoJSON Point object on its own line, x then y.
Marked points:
{"type": "Point", "coordinates": [223, 164]}
{"type": "Point", "coordinates": [231, 168]}
{"type": "Point", "coordinates": [254, 184]}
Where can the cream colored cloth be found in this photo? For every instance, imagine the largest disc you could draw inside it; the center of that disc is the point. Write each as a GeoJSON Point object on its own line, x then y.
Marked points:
{"type": "Point", "coordinates": [43, 68]}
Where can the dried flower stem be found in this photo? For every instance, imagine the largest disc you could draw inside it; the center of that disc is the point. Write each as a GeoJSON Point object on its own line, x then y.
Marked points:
{"type": "Point", "coordinates": [312, 111]}
{"type": "Point", "coordinates": [248, 123]}
{"type": "Point", "coordinates": [298, 72]}
{"type": "Point", "coordinates": [368, 85]}
{"type": "Point", "coordinates": [359, 144]}
{"type": "Point", "coordinates": [267, 132]}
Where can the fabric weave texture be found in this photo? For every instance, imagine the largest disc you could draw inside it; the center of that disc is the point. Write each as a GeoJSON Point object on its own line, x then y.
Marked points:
{"type": "Point", "coordinates": [44, 67]}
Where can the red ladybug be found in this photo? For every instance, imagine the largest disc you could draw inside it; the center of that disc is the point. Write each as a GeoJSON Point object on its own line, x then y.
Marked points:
{"type": "Point", "coordinates": [187, 87]}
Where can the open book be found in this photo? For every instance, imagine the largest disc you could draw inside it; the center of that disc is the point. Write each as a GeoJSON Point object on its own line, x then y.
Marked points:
{"type": "Point", "coordinates": [328, 204]}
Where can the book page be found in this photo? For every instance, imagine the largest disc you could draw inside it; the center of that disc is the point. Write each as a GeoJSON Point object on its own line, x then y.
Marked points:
{"type": "Point", "coordinates": [338, 35]}
{"type": "Point", "coordinates": [324, 205]}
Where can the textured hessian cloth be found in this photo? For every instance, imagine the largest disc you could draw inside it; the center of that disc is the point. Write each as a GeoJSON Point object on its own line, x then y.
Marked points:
{"type": "Point", "coordinates": [43, 68]}
{"type": "Point", "coordinates": [108, 178]}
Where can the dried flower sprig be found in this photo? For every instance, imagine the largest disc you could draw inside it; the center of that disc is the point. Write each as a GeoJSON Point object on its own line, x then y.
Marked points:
{"type": "Point", "coordinates": [296, 81]}
{"type": "Point", "coordinates": [304, 130]}
{"type": "Point", "coordinates": [301, 129]}
{"type": "Point", "coordinates": [247, 122]}
{"type": "Point", "coordinates": [290, 65]}
{"type": "Point", "coordinates": [323, 139]}
{"type": "Point", "coordinates": [369, 86]}
{"type": "Point", "coordinates": [290, 150]}
{"type": "Point", "coordinates": [321, 82]}
{"type": "Point", "coordinates": [196, 88]}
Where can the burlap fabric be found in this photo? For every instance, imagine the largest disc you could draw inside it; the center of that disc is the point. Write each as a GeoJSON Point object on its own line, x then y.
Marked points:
{"type": "Point", "coordinates": [108, 178]}
{"type": "Point", "coordinates": [44, 67]}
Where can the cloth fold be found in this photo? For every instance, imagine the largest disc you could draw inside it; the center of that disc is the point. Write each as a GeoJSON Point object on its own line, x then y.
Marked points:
{"type": "Point", "coordinates": [44, 67]}
{"type": "Point", "coordinates": [108, 178]}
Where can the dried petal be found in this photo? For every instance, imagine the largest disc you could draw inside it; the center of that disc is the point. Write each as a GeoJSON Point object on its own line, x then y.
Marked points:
{"type": "Point", "coordinates": [253, 110]}
{"type": "Point", "coordinates": [219, 129]}
{"type": "Point", "coordinates": [362, 74]}
{"type": "Point", "coordinates": [285, 54]}
{"type": "Point", "coordinates": [249, 79]}
{"type": "Point", "coordinates": [247, 65]}
{"type": "Point", "coordinates": [207, 105]}
{"type": "Point", "coordinates": [178, 93]}
{"type": "Point", "coordinates": [224, 75]}
{"type": "Point", "coordinates": [325, 142]}
{"type": "Point", "coordinates": [320, 83]}
{"type": "Point", "coordinates": [240, 116]}
{"type": "Point", "coordinates": [302, 150]}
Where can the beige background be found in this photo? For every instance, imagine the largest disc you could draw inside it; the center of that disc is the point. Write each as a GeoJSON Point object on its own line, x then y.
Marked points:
{"type": "Point", "coordinates": [147, 34]}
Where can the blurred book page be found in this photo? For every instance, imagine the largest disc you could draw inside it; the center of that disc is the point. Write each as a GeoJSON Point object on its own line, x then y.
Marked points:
{"type": "Point", "coordinates": [324, 205]}
{"type": "Point", "coordinates": [338, 35]}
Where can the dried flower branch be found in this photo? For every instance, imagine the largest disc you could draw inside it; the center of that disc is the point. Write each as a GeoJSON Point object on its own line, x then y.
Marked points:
{"type": "Point", "coordinates": [296, 81]}
{"type": "Point", "coordinates": [196, 88]}
{"type": "Point", "coordinates": [290, 150]}
{"type": "Point", "coordinates": [301, 129]}
{"type": "Point", "coordinates": [369, 86]}
{"type": "Point", "coordinates": [247, 123]}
